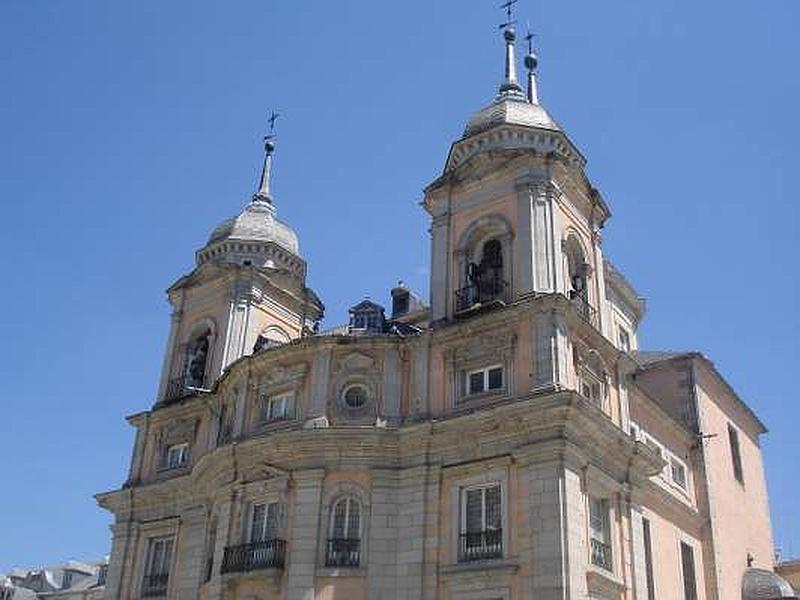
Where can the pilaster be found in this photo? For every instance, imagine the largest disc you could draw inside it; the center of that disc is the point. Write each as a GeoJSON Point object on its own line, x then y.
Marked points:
{"type": "Point", "coordinates": [320, 377]}
{"type": "Point", "coordinates": [440, 281]}
{"type": "Point", "coordinates": [302, 552]}
{"type": "Point", "coordinates": [188, 570]}
{"type": "Point", "coordinates": [384, 546]}
{"type": "Point", "coordinates": [392, 378]}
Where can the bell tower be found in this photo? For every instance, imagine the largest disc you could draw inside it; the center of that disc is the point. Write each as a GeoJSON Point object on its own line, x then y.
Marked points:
{"type": "Point", "coordinates": [513, 214]}
{"type": "Point", "coordinates": [246, 293]}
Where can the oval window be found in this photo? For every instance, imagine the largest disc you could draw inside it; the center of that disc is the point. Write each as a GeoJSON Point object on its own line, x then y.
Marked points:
{"type": "Point", "coordinates": [355, 396]}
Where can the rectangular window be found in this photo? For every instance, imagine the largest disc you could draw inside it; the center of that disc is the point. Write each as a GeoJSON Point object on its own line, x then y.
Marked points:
{"type": "Point", "coordinates": [488, 379]}
{"type": "Point", "coordinates": [599, 535]}
{"type": "Point", "coordinates": [481, 523]}
{"type": "Point", "coordinates": [624, 340]}
{"type": "Point", "coordinates": [176, 456]}
{"type": "Point", "coordinates": [736, 454]}
{"type": "Point", "coordinates": [264, 521]}
{"type": "Point", "coordinates": [592, 387]}
{"type": "Point", "coordinates": [678, 472]}
{"type": "Point", "coordinates": [689, 578]}
{"type": "Point", "coordinates": [275, 408]}
{"type": "Point", "coordinates": [648, 560]}
{"type": "Point", "coordinates": [156, 574]}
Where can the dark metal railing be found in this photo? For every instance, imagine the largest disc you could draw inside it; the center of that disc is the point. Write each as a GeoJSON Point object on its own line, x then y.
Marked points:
{"type": "Point", "coordinates": [601, 554]}
{"type": "Point", "coordinates": [178, 388]}
{"type": "Point", "coordinates": [155, 585]}
{"type": "Point", "coordinates": [267, 554]}
{"type": "Point", "coordinates": [209, 569]}
{"type": "Point", "coordinates": [482, 292]}
{"type": "Point", "coordinates": [586, 311]}
{"type": "Point", "coordinates": [480, 545]}
{"type": "Point", "coordinates": [343, 553]}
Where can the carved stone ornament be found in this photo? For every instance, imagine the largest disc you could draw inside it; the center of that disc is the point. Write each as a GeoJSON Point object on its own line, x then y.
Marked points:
{"type": "Point", "coordinates": [494, 346]}
{"type": "Point", "coordinates": [281, 375]}
{"type": "Point", "coordinates": [178, 432]}
{"type": "Point", "coordinates": [356, 362]}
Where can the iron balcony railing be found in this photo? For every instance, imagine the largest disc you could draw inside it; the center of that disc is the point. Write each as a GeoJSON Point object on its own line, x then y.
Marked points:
{"type": "Point", "coordinates": [480, 545]}
{"type": "Point", "coordinates": [178, 388]}
{"type": "Point", "coordinates": [155, 585]}
{"type": "Point", "coordinates": [267, 554]}
{"type": "Point", "coordinates": [343, 552]}
{"type": "Point", "coordinates": [601, 554]}
{"type": "Point", "coordinates": [482, 292]}
{"type": "Point", "coordinates": [584, 309]}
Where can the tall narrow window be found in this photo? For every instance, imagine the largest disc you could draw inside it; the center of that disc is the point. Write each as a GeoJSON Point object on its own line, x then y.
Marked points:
{"type": "Point", "coordinates": [156, 575]}
{"type": "Point", "coordinates": [648, 560]}
{"type": "Point", "coordinates": [264, 522]}
{"type": "Point", "coordinates": [344, 541]}
{"type": "Point", "coordinates": [689, 578]}
{"type": "Point", "coordinates": [481, 523]}
{"type": "Point", "coordinates": [599, 536]}
{"type": "Point", "coordinates": [736, 454]}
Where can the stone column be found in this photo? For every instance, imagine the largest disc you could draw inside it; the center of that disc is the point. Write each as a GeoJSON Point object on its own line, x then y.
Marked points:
{"type": "Point", "coordinates": [124, 537]}
{"type": "Point", "coordinates": [550, 353]}
{"type": "Point", "coordinates": [318, 398]}
{"type": "Point", "coordinates": [392, 382]}
{"type": "Point", "coordinates": [536, 264]}
{"type": "Point", "coordinates": [224, 514]}
{"type": "Point", "coordinates": [420, 400]}
{"type": "Point", "coordinates": [142, 430]}
{"type": "Point", "coordinates": [189, 561]}
{"type": "Point", "coordinates": [383, 546]}
{"type": "Point", "coordinates": [169, 353]}
{"type": "Point", "coordinates": [636, 550]}
{"type": "Point", "coordinates": [440, 260]}
{"type": "Point", "coordinates": [303, 539]}
{"type": "Point", "coordinates": [237, 325]}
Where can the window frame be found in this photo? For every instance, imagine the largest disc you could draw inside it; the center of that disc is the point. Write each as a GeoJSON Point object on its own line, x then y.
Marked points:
{"type": "Point", "coordinates": [350, 386]}
{"type": "Point", "coordinates": [267, 401]}
{"type": "Point", "coordinates": [647, 542]}
{"type": "Point", "coordinates": [184, 456]}
{"type": "Point", "coordinates": [684, 483]}
{"type": "Point", "coordinates": [349, 500]}
{"type": "Point", "coordinates": [735, 448]}
{"type": "Point", "coordinates": [604, 506]}
{"type": "Point", "coordinates": [688, 593]}
{"type": "Point", "coordinates": [486, 380]}
{"type": "Point", "coordinates": [265, 526]}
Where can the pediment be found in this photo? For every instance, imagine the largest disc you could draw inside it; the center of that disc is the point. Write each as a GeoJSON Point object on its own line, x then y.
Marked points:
{"type": "Point", "coordinates": [356, 361]}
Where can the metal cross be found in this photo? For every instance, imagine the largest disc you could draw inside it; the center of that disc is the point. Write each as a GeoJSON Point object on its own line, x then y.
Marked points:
{"type": "Point", "coordinates": [272, 118]}
{"type": "Point", "coordinates": [529, 39]}
{"type": "Point", "coordinates": [508, 7]}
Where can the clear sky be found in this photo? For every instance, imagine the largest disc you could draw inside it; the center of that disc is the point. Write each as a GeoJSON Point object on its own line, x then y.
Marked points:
{"type": "Point", "coordinates": [129, 129]}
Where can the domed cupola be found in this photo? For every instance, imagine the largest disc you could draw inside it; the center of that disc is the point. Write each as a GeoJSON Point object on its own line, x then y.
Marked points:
{"type": "Point", "coordinates": [514, 120]}
{"type": "Point", "coordinates": [760, 584]}
{"type": "Point", "coordinates": [256, 236]}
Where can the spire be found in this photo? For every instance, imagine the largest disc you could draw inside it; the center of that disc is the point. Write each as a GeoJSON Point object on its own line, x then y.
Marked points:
{"type": "Point", "coordinates": [263, 194]}
{"type": "Point", "coordinates": [510, 84]}
{"type": "Point", "coordinates": [531, 62]}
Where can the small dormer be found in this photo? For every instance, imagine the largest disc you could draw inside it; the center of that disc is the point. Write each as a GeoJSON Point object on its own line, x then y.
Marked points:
{"type": "Point", "coordinates": [367, 318]}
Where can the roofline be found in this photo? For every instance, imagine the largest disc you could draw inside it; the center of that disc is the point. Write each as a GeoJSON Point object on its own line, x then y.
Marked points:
{"type": "Point", "coordinates": [696, 355]}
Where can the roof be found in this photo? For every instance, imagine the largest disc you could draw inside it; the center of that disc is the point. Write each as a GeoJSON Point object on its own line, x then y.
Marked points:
{"type": "Point", "coordinates": [647, 359]}
{"type": "Point", "coordinates": [505, 110]}
{"type": "Point", "coordinates": [257, 223]}
{"type": "Point", "coordinates": [760, 584]}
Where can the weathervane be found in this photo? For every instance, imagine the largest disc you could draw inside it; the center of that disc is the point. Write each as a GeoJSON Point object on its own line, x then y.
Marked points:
{"type": "Point", "coordinates": [508, 7]}
{"type": "Point", "coordinates": [272, 118]}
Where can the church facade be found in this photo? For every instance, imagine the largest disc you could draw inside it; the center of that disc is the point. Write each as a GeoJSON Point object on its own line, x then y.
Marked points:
{"type": "Point", "coordinates": [506, 440]}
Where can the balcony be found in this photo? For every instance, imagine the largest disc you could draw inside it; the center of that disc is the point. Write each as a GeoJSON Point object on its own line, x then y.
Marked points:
{"type": "Point", "coordinates": [584, 309]}
{"type": "Point", "coordinates": [493, 291]}
{"type": "Point", "coordinates": [480, 545]}
{"type": "Point", "coordinates": [178, 388]}
{"type": "Point", "coordinates": [343, 553]}
{"type": "Point", "coordinates": [267, 554]}
{"type": "Point", "coordinates": [155, 585]}
{"type": "Point", "coordinates": [601, 555]}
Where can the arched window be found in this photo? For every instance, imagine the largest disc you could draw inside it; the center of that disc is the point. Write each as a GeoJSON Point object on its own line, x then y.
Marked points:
{"type": "Point", "coordinates": [577, 270]}
{"type": "Point", "coordinates": [197, 359]}
{"type": "Point", "coordinates": [271, 337]}
{"type": "Point", "coordinates": [344, 536]}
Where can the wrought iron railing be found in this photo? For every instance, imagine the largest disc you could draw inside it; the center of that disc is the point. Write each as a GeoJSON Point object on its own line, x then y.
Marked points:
{"type": "Point", "coordinates": [343, 552]}
{"type": "Point", "coordinates": [480, 545]}
{"type": "Point", "coordinates": [483, 292]}
{"type": "Point", "coordinates": [178, 388]}
{"type": "Point", "coordinates": [586, 311]}
{"type": "Point", "coordinates": [155, 585]}
{"type": "Point", "coordinates": [267, 554]}
{"type": "Point", "coordinates": [601, 554]}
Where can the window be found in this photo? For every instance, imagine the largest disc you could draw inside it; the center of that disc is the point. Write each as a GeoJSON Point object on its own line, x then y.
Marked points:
{"type": "Point", "coordinates": [156, 575]}
{"type": "Point", "coordinates": [276, 408]}
{"type": "Point", "coordinates": [481, 523]}
{"type": "Point", "coordinates": [264, 522]}
{"type": "Point", "coordinates": [176, 456]}
{"type": "Point", "coordinates": [196, 359]}
{"type": "Point", "coordinates": [689, 578]}
{"type": "Point", "coordinates": [678, 472]}
{"type": "Point", "coordinates": [592, 387]}
{"type": "Point", "coordinates": [102, 574]}
{"type": "Point", "coordinates": [489, 379]}
{"type": "Point", "coordinates": [736, 454]}
{"type": "Point", "coordinates": [648, 560]}
{"type": "Point", "coordinates": [67, 579]}
{"type": "Point", "coordinates": [624, 339]}
{"type": "Point", "coordinates": [344, 540]}
{"type": "Point", "coordinates": [355, 396]}
{"type": "Point", "coordinates": [599, 536]}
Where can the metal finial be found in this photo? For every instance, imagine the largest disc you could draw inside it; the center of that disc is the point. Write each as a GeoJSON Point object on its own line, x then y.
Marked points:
{"type": "Point", "coordinates": [263, 194]}
{"type": "Point", "coordinates": [510, 85]}
{"type": "Point", "coordinates": [531, 62]}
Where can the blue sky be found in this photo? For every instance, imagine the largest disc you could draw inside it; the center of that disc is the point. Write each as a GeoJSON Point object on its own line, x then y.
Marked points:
{"type": "Point", "coordinates": [130, 129]}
